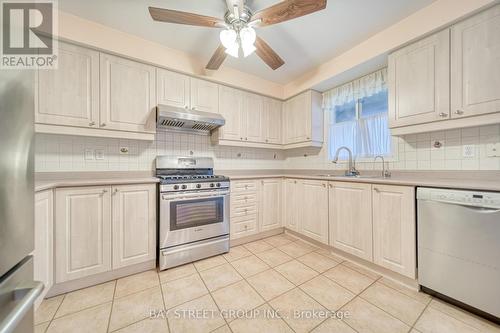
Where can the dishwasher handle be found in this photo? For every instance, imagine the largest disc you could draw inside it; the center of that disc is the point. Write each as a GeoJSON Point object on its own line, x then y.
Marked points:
{"type": "Point", "coordinates": [478, 209]}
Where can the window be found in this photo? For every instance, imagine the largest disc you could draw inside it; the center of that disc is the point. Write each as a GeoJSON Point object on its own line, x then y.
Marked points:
{"type": "Point", "coordinates": [358, 113]}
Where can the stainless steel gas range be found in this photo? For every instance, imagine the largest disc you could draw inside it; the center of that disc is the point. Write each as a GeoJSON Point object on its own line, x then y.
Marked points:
{"type": "Point", "coordinates": [193, 210]}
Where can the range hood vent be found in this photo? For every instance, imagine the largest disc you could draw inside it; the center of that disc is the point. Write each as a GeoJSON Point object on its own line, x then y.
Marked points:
{"type": "Point", "coordinates": [179, 119]}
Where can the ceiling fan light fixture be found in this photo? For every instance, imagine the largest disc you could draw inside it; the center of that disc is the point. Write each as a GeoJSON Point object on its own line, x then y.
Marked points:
{"type": "Point", "coordinates": [228, 38]}
{"type": "Point", "coordinates": [234, 50]}
{"type": "Point", "coordinates": [248, 50]}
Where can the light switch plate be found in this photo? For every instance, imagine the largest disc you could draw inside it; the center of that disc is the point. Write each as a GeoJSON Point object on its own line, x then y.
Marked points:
{"type": "Point", "coordinates": [469, 151]}
{"type": "Point", "coordinates": [493, 149]}
{"type": "Point", "coordinates": [99, 154]}
{"type": "Point", "coordinates": [89, 154]}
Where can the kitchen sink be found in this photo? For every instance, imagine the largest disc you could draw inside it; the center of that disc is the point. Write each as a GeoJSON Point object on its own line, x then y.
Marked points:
{"type": "Point", "coordinates": [344, 176]}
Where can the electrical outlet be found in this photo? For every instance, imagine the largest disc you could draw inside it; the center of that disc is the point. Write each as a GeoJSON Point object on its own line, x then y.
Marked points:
{"type": "Point", "coordinates": [123, 150]}
{"type": "Point", "coordinates": [469, 151]}
{"type": "Point", "coordinates": [99, 154]}
{"type": "Point", "coordinates": [493, 149]}
{"type": "Point", "coordinates": [89, 154]}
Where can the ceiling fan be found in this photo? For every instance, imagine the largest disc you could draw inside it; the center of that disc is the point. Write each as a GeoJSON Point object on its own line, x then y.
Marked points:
{"type": "Point", "coordinates": [238, 27]}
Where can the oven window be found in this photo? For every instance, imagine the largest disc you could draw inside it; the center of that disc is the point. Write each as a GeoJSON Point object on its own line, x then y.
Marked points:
{"type": "Point", "coordinates": [192, 213]}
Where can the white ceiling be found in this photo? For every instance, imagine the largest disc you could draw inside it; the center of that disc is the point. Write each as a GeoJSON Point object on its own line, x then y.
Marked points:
{"type": "Point", "coordinates": [303, 43]}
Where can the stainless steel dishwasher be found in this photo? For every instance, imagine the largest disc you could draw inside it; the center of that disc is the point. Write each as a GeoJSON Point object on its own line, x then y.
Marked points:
{"type": "Point", "coordinates": [459, 246]}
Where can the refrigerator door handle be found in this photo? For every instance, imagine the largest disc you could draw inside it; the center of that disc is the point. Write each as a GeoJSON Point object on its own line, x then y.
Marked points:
{"type": "Point", "coordinates": [25, 298]}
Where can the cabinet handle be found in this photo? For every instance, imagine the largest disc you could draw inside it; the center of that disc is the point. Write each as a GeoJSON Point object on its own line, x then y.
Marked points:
{"type": "Point", "coordinates": [324, 185]}
{"type": "Point", "coordinates": [295, 182]}
{"type": "Point", "coordinates": [246, 139]}
{"type": "Point", "coordinates": [193, 108]}
{"type": "Point", "coordinates": [186, 107]}
{"type": "Point", "coordinates": [376, 189]}
{"type": "Point", "coordinates": [267, 140]}
{"type": "Point", "coordinates": [92, 123]}
{"type": "Point", "coordinates": [330, 185]}
{"type": "Point", "coordinates": [104, 191]}
{"type": "Point", "coordinates": [115, 190]}
{"type": "Point", "coordinates": [308, 138]}
{"type": "Point", "coordinates": [459, 112]}
{"type": "Point", "coordinates": [103, 124]}
{"type": "Point", "coordinates": [443, 115]}
{"type": "Point", "coordinates": [241, 139]}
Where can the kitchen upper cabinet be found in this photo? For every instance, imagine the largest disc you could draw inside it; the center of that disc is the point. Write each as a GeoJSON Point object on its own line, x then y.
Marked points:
{"type": "Point", "coordinates": [419, 81]}
{"type": "Point", "coordinates": [172, 88]}
{"type": "Point", "coordinates": [272, 123]}
{"type": "Point", "coordinates": [252, 126]}
{"type": "Point", "coordinates": [293, 204]}
{"type": "Point", "coordinates": [204, 96]}
{"type": "Point", "coordinates": [314, 217]}
{"type": "Point", "coordinates": [134, 224]}
{"type": "Point", "coordinates": [394, 236]}
{"type": "Point", "coordinates": [70, 95]}
{"type": "Point", "coordinates": [82, 232]}
{"type": "Point", "coordinates": [303, 120]}
{"type": "Point", "coordinates": [43, 253]}
{"type": "Point", "coordinates": [475, 63]}
{"type": "Point", "coordinates": [128, 95]}
{"type": "Point", "coordinates": [270, 204]}
{"type": "Point", "coordinates": [231, 108]}
{"type": "Point", "coordinates": [351, 218]}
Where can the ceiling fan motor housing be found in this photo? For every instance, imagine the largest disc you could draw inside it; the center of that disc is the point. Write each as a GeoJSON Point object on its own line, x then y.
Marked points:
{"type": "Point", "coordinates": [232, 20]}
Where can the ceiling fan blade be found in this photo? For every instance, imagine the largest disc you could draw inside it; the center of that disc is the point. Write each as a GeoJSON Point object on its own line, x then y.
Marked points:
{"type": "Point", "coordinates": [266, 53]}
{"type": "Point", "coordinates": [287, 10]}
{"type": "Point", "coordinates": [217, 59]}
{"type": "Point", "coordinates": [175, 16]}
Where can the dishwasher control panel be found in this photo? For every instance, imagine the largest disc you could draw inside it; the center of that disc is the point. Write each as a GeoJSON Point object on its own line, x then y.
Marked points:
{"type": "Point", "coordinates": [469, 198]}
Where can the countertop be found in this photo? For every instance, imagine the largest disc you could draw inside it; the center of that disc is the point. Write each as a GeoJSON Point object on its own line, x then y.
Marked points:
{"type": "Point", "coordinates": [469, 180]}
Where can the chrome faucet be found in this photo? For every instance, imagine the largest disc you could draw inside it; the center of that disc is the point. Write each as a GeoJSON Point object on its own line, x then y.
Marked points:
{"type": "Point", "coordinates": [385, 172]}
{"type": "Point", "coordinates": [351, 172]}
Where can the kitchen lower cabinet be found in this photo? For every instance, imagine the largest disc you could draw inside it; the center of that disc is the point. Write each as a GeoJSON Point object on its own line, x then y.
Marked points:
{"type": "Point", "coordinates": [82, 232]}
{"type": "Point", "coordinates": [244, 208]}
{"type": "Point", "coordinates": [134, 224]}
{"type": "Point", "coordinates": [293, 204]}
{"type": "Point", "coordinates": [350, 210]}
{"type": "Point", "coordinates": [43, 252]}
{"type": "Point", "coordinates": [270, 204]}
{"type": "Point", "coordinates": [394, 228]}
{"type": "Point", "coordinates": [313, 220]}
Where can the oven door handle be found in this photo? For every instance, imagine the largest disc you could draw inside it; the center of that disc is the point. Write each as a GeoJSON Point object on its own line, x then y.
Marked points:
{"type": "Point", "coordinates": [167, 197]}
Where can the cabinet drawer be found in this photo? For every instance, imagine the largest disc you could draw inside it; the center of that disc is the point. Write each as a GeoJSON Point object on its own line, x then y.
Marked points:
{"type": "Point", "coordinates": [241, 186]}
{"type": "Point", "coordinates": [243, 210]}
{"type": "Point", "coordinates": [241, 227]}
{"type": "Point", "coordinates": [246, 197]}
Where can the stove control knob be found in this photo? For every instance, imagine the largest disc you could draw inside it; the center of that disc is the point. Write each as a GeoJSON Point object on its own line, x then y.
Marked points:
{"type": "Point", "coordinates": [184, 187]}
{"type": "Point", "coordinates": [198, 185]}
{"type": "Point", "coordinates": [218, 184]}
{"type": "Point", "coordinates": [212, 184]}
{"type": "Point", "coordinates": [176, 187]}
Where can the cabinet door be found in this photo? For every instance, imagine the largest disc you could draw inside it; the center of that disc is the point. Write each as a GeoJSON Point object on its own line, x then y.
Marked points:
{"type": "Point", "coordinates": [204, 96]}
{"type": "Point", "coordinates": [253, 110]}
{"type": "Point", "coordinates": [134, 224]}
{"type": "Point", "coordinates": [43, 243]}
{"type": "Point", "coordinates": [82, 232]}
{"type": "Point", "coordinates": [351, 218]}
{"type": "Point", "coordinates": [475, 59]}
{"type": "Point", "coordinates": [70, 95]}
{"type": "Point", "coordinates": [272, 120]}
{"type": "Point", "coordinates": [394, 237]}
{"type": "Point", "coordinates": [314, 219]}
{"type": "Point", "coordinates": [172, 88]}
{"type": "Point", "coordinates": [128, 91]}
{"type": "Point", "coordinates": [419, 81]}
{"type": "Point", "coordinates": [230, 102]}
{"type": "Point", "coordinates": [270, 203]}
{"type": "Point", "coordinates": [293, 204]}
{"type": "Point", "coordinates": [298, 118]}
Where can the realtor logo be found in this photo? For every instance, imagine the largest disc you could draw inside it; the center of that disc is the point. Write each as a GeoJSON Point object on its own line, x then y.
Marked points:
{"type": "Point", "coordinates": [28, 34]}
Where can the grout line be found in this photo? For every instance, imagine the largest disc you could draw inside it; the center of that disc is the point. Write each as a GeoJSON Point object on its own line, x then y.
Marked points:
{"type": "Point", "coordinates": [112, 305]}
{"type": "Point", "coordinates": [421, 314]}
{"type": "Point", "coordinates": [53, 316]}
{"type": "Point", "coordinates": [163, 300]}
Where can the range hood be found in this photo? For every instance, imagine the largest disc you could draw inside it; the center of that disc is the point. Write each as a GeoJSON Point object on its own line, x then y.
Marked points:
{"type": "Point", "coordinates": [186, 120]}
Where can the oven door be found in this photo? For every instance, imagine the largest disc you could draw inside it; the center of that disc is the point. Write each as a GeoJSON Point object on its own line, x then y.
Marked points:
{"type": "Point", "coordinates": [190, 217]}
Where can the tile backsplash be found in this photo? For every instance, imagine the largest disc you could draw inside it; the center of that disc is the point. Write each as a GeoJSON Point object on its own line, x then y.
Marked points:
{"type": "Point", "coordinates": [462, 149]}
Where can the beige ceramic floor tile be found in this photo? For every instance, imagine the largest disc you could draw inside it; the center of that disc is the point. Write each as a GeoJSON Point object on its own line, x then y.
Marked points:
{"type": "Point", "coordinates": [361, 270]}
{"type": "Point", "coordinates": [177, 272]}
{"type": "Point", "coordinates": [47, 309]}
{"type": "Point", "coordinates": [333, 325]}
{"type": "Point", "coordinates": [41, 328]}
{"type": "Point", "coordinates": [270, 284]}
{"type": "Point", "coordinates": [135, 283]}
{"type": "Point", "coordinates": [200, 315]}
{"type": "Point", "coordinates": [86, 298]}
{"type": "Point", "coordinates": [182, 290]}
{"type": "Point", "coordinates": [347, 278]}
{"type": "Point", "coordinates": [318, 262]}
{"type": "Point", "coordinates": [365, 317]}
{"type": "Point", "coordinates": [416, 295]}
{"type": "Point", "coordinates": [236, 298]}
{"type": "Point", "coordinates": [203, 265]}
{"type": "Point", "coordinates": [236, 253]}
{"type": "Point", "coordinates": [261, 322]}
{"type": "Point", "coordinates": [258, 246]}
{"type": "Point", "coordinates": [220, 276]}
{"type": "Point", "coordinates": [223, 329]}
{"type": "Point", "coordinates": [465, 316]}
{"type": "Point", "coordinates": [278, 240]}
{"type": "Point", "coordinates": [297, 249]}
{"type": "Point", "coordinates": [249, 266]}
{"type": "Point", "coordinates": [397, 304]}
{"type": "Point", "coordinates": [135, 307]}
{"type": "Point", "coordinates": [296, 272]}
{"type": "Point", "coordinates": [434, 321]}
{"type": "Point", "coordinates": [295, 308]}
{"type": "Point", "coordinates": [93, 320]}
{"type": "Point", "coordinates": [274, 257]}
{"type": "Point", "coordinates": [146, 326]}
{"type": "Point", "coordinates": [327, 293]}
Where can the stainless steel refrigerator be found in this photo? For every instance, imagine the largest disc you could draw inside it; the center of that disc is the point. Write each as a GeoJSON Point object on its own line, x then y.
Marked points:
{"type": "Point", "coordinates": [18, 290]}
